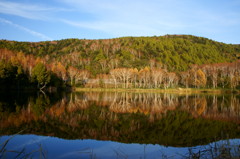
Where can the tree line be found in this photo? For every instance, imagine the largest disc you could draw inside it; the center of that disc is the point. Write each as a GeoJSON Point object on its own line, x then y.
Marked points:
{"type": "Point", "coordinates": [19, 70]}
{"type": "Point", "coordinates": [143, 62]}
{"type": "Point", "coordinates": [221, 75]}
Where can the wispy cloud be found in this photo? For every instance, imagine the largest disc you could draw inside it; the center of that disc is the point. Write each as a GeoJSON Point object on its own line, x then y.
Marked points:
{"type": "Point", "coordinates": [29, 11]}
{"type": "Point", "coordinates": [153, 17]}
{"type": "Point", "coordinates": [32, 32]}
{"type": "Point", "coordinates": [125, 18]}
{"type": "Point", "coordinates": [114, 28]}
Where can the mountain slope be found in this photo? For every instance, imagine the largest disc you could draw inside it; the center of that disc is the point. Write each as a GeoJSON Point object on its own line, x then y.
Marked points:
{"type": "Point", "coordinates": [174, 52]}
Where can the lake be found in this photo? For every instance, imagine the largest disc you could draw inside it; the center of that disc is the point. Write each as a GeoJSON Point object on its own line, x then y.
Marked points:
{"type": "Point", "coordinates": [119, 125]}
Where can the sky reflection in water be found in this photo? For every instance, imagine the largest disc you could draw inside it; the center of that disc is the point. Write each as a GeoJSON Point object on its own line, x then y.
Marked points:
{"type": "Point", "coordinates": [60, 148]}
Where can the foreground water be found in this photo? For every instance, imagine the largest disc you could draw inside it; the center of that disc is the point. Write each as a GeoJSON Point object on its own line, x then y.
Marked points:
{"type": "Point", "coordinates": [119, 125]}
{"type": "Point", "coordinates": [52, 147]}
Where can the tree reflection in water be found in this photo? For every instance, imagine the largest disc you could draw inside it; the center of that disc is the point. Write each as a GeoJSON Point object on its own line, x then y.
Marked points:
{"type": "Point", "coordinates": [166, 119]}
{"type": "Point", "coordinates": [226, 107]}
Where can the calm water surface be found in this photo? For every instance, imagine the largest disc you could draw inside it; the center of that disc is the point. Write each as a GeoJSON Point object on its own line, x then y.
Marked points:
{"type": "Point", "coordinates": [119, 125]}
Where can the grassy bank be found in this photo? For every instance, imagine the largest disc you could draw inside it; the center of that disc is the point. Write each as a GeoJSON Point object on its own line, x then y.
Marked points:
{"type": "Point", "coordinates": [170, 90]}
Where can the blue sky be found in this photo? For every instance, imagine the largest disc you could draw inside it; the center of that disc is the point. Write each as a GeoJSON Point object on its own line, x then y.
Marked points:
{"type": "Point", "coordinates": [40, 20]}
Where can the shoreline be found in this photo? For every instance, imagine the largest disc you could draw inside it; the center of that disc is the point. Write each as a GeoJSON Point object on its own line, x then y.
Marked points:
{"type": "Point", "coordinates": [153, 90]}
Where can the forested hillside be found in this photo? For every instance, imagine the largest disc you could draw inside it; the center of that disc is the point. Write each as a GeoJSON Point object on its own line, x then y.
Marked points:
{"type": "Point", "coordinates": [176, 53]}
{"type": "Point", "coordinates": [73, 60]}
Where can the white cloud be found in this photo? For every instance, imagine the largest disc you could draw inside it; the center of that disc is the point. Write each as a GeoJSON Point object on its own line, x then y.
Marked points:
{"type": "Point", "coordinates": [116, 29]}
{"type": "Point", "coordinates": [34, 33]}
{"type": "Point", "coordinates": [126, 18]}
{"type": "Point", "coordinates": [154, 14]}
{"type": "Point", "coordinates": [29, 11]}
{"type": "Point", "coordinates": [131, 17]}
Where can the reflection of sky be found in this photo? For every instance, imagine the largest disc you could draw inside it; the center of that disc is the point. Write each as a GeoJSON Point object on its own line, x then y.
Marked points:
{"type": "Point", "coordinates": [60, 148]}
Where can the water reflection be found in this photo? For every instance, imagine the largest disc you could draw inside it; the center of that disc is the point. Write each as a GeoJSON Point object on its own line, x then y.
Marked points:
{"type": "Point", "coordinates": [52, 147]}
{"type": "Point", "coordinates": [166, 119]}
{"type": "Point", "coordinates": [223, 107]}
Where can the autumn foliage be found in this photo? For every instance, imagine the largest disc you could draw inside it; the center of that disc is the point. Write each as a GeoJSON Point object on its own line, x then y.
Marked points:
{"type": "Point", "coordinates": [144, 62]}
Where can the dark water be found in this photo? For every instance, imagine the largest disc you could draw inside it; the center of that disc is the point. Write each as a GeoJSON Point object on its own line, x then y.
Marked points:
{"type": "Point", "coordinates": [119, 125]}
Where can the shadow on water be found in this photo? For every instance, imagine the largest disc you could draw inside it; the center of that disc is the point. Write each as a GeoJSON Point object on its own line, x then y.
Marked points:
{"type": "Point", "coordinates": [13, 101]}
{"type": "Point", "coordinates": [144, 118]}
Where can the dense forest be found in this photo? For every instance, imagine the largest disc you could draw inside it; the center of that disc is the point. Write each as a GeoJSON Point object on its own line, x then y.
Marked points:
{"type": "Point", "coordinates": [128, 62]}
